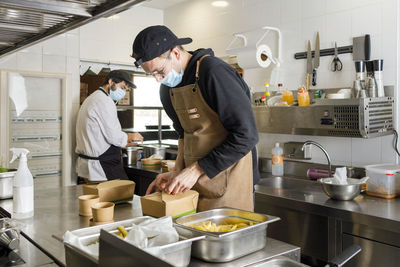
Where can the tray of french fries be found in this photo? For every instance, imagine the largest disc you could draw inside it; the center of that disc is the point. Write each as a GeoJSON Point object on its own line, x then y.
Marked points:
{"type": "Point", "coordinates": [230, 233]}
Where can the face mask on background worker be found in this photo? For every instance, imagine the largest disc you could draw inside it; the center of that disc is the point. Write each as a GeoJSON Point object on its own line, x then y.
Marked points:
{"type": "Point", "coordinates": [173, 78]}
{"type": "Point", "coordinates": [117, 94]}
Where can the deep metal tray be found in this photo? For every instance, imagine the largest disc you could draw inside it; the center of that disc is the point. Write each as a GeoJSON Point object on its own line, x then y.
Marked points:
{"type": "Point", "coordinates": [178, 252]}
{"type": "Point", "coordinates": [225, 246]}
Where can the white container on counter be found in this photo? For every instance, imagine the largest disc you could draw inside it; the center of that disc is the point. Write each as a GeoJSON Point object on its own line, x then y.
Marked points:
{"type": "Point", "coordinates": [384, 180]}
{"type": "Point", "coordinates": [6, 184]}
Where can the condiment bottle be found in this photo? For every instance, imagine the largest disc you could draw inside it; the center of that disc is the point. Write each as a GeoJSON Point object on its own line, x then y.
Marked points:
{"type": "Point", "coordinates": [303, 97]}
{"type": "Point", "coordinates": [280, 88]}
{"type": "Point", "coordinates": [277, 160]}
{"type": "Point", "coordinates": [287, 96]}
{"type": "Point", "coordinates": [267, 92]}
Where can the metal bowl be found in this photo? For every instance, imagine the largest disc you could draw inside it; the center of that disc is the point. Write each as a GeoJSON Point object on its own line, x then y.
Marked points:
{"type": "Point", "coordinates": [341, 191]}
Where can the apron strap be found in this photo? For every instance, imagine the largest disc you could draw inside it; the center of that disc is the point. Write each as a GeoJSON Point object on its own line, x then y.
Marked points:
{"type": "Point", "coordinates": [111, 153]}
{"type": "Point", "coordinates": [198, 65]}
{"type": "Point", "coordinates": [88, 157]}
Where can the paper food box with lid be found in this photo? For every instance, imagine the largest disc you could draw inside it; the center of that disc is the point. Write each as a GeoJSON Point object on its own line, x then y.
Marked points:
{"type": "Point", "coordinates": [384, 180]}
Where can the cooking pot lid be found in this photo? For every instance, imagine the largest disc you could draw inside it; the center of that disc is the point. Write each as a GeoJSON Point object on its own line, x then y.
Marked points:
{"type": "Point", "coordinates": [131, 148]}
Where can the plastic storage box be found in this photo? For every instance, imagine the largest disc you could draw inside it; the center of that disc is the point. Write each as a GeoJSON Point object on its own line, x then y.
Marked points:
{"type": "Point", "coordinates": [384, 180]}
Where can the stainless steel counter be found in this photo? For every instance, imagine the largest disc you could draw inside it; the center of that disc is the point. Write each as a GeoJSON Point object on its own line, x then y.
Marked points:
{"type": "Point", "coordinates": [32, 255]}
{"type": "Point", "coordinates": [56, 211]}
{"type": "Point", "coordinates": [308, 196]}
{"type": "Point", "coordinates": [324, 228]}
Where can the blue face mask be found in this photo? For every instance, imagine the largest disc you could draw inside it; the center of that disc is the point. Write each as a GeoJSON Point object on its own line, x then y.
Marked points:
{"type": "Point", "coordinates": [173, 78]}
{"type": "Point", "coordinates": [117, 94]}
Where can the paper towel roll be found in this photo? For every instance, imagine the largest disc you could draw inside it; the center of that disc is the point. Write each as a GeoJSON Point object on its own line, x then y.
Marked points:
{"type": "Point", "coordinates": [250, 58]}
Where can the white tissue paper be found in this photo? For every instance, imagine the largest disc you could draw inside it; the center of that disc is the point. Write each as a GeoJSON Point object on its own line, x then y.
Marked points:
{"type": "Point", "coordinates": [340, 176]}
{"type": "Point", "coordinates": [151, 234]}
{"type": "Point", "coordinates": [156, 156]}
{"type": "Point", "coordinates": [148, 234]}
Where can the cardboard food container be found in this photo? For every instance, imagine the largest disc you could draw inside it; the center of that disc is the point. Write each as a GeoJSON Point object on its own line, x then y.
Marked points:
{"type": "Point", "coordinates": [116, 191]}
{"type": "Point", "coordinates": [161, 204]}
{"type": "Point", "coordinates": [150, 163]}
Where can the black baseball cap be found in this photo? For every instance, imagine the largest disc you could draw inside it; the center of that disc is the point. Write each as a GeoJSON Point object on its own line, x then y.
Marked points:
{"type": "Point", "coordinates": [154, 41]}
{"type": "Point", "coordinates": [121, 75]}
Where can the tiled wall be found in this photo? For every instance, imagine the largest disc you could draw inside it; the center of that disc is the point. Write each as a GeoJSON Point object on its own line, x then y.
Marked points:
{"type": "Point", "coordinates": [59, 54]}
{"type": "Point", "coordinates": [110, 39]}
{"type": "Point", "coordinates": [299, 20]}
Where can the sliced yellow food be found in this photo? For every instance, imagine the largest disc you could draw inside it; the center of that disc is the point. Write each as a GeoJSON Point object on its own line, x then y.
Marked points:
{"type": "Point", "coordinates": [209, 226]}
{"type": "Point", "coordinates": [122, 231]}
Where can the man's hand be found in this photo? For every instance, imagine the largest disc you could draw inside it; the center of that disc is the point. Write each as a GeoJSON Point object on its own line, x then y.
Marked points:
{"type": "Point", "coordinates": [133, 138]}
{"type": "Point", "coordinates": [161, 181]}
{"type": "Point", "coordinates": [185, 180]}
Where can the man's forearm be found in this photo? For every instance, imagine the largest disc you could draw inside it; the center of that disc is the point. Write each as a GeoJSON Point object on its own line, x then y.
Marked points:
{"type": "Point", "coordinates": [180, 159]}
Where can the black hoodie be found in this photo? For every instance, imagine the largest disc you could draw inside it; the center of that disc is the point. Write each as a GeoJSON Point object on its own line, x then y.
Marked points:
{"type": "Point", "coordinates": [229, 96]}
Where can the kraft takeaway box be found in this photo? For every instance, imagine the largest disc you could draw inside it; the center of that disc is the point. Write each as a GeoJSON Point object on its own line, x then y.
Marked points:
{"type": "Point", "coordinates": [162, 204]}
{"type": "Point", "coordinates": [117, 191]}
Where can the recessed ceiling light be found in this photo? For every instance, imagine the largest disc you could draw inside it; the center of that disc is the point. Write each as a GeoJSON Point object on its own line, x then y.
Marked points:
{"type": "Point", "coordinates": [220, 3]}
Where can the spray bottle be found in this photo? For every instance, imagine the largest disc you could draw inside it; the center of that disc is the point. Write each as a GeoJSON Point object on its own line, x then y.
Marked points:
{"type": "Point", "coordinates": [23, 186]}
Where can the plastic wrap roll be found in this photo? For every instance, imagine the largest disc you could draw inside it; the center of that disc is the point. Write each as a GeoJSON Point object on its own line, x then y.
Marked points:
{"type": "Point", "coordinates": [257, 57]}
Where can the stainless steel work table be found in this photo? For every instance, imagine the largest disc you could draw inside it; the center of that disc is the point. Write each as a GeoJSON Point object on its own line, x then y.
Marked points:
{"type": "Point", "coordinates": [308, 196]}
{"type": "Point", "coordinates": [56, 211]}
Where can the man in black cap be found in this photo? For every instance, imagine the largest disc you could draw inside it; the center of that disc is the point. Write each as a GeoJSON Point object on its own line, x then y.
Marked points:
{"type": "Point", "coordinates": [99, 137]}
{"type": "Point", "coordinates": [209, 104]}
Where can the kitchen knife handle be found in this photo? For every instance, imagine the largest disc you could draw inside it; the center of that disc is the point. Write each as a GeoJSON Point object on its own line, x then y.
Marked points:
{"type": "Point", "coordinates": [367, 47]}
{"type": "Point", "coordinates": [308, 81]}
{"type": "Point", "coordinates": [314, 77]}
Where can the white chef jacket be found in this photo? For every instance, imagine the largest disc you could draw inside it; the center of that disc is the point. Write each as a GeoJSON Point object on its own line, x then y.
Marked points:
{"type": "Point", "coordinates": [97, 128]}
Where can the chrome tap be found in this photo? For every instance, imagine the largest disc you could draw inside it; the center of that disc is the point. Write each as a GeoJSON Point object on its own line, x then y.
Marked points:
{"type": "Point", "coordinates": [323, 150]}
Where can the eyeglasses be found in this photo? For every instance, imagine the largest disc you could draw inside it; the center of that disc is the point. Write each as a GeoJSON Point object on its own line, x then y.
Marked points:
{"type": "Point", "coordinates": [161, 73]}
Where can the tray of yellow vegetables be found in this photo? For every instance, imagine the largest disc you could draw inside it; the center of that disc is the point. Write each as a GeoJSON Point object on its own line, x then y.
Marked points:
{"type": "Point", "coordinates": [229, 233]}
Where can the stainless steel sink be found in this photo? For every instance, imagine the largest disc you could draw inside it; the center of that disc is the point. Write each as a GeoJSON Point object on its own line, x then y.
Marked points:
{"type": "Point", "coordinates": [280, 262]}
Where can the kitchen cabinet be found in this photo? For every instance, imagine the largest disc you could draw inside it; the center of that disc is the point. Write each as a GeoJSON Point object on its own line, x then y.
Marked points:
{"type": "Point", "coordinates": [374, 253]}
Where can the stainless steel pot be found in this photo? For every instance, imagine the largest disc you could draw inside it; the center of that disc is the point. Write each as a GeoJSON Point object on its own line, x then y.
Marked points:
{"type": "Point", "coordinates": [131, 154]}
{"type": "Point", "coordinates": [6, 184]}
{"type": "Point", "coordinates": [149, 150]}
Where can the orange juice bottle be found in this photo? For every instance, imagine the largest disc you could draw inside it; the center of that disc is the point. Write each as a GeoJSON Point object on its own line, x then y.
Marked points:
{"type": "Point", "coordinates": [303, 97]}
{"type": "Point", "coordinates": [287, 96]}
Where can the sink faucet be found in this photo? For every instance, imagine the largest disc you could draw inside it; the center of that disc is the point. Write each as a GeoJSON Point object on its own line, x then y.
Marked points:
{"type": "Point", "coordinates": [323, 150]}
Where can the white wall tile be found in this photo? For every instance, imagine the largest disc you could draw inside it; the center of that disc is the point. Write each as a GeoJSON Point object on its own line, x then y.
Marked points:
{"type": "Point", "coordinates": [338, 5]}
{"type": "Point", "coordinates": [290, 10]}
{"type": "Point", "coordinates": [365, 151]}
{"type": "Point", "coordinates": [9, 62]}
{"type": "Point", "coordinates": [29, 61]}
{"type": "Point", "coordinates": [110, 39]}
{"type": "Point", "coordinates": [338, 26]}
{"type": "Point", "coordinates": [72, 43]}
{"type": "Point", "coordinates": [55, 46]}
{"type": "Point", "coordinates": [388, 152]}
{"type": "Point", "coordinates": [299, 20]}
{"type": "Point", "coordinates": [366, 19]}
{"type": "Point", "coordinates": [53, 63]}
{"type": "Point", "coordinates": [312, 8]}
{"type": "Point", "coordinates": [35, 49]}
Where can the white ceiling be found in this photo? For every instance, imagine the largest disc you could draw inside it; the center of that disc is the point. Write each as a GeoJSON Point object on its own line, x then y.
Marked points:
{"type": "Point", "coordinates": [161, 4]}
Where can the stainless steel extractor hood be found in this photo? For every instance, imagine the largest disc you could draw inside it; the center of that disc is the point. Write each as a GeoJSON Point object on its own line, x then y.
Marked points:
{"type": "Point", "coordinates": [26, 22]}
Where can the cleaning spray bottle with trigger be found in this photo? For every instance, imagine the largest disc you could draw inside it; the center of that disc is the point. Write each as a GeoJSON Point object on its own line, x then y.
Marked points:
{"type": "Point", "coordinates": [22, 186]}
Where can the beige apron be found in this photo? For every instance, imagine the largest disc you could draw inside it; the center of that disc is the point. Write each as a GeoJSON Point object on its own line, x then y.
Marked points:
{"type": "Point", "coordinates": [203, 131]}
